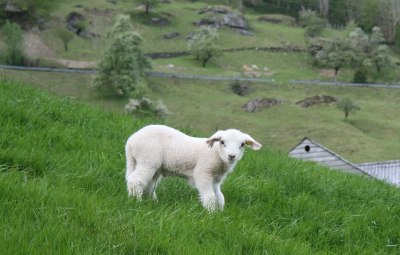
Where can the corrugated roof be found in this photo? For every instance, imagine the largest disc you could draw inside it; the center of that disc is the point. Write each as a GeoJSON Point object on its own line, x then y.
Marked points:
{"type": "Point", "coordinates": [388, 171]}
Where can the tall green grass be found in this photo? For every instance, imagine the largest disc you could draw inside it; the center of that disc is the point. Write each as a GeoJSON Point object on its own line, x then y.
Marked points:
{"type": "Point", "coordinates": [62, 191]}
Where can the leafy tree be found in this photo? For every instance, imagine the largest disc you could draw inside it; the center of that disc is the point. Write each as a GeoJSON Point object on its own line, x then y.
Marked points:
{"type": "Point", "coordinates": [122, 69]}
{"type": "Point", "coordinates": [335, 53]}
{"type": "Point", "coordinates": [65, 35]}
{"type": "Point", "coordinates": [366, 53]}
{"type": "Point", "coordinates": [371, 50]}
{"type": "Point", "coordinates": [13, 37]}
{"type": "Point", "coordinates": [347, 106]}
{"type": "Point", "coordinates": [203, 44]}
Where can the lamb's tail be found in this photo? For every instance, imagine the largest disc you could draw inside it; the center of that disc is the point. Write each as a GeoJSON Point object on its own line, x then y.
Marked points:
{"type": "Point", "coordinates": [130, 162]}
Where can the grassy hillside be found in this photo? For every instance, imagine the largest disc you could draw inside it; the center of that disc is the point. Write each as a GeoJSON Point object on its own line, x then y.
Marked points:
{"type": "Point", "coordinates": [62, 191]}
{"type": "Point", "coordinates": [369, 135]}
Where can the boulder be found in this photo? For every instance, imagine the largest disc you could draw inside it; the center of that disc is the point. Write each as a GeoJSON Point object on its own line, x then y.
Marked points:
{"type": "Point", "coordinates": [160, 22]}
{"type": "Point", "coordinates": [240, 88]}
{"type": "Point", "coordinates": [74, 20]}
{"type": "Point", "coordinates": [218, 16]}
{"type": "Point", "coordinates": [171, 35]}
{"type": "Point", "coordinates": [235, 21]}
{"type": "Point", "coordinates": [260, 103]}
{"type": "Point", "coordinates": [12, 8]}
{"type": "Point", "coordinates": [318, 99]}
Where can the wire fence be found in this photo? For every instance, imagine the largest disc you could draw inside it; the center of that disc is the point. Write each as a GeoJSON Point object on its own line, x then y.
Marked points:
{"type": "Point", "coordinates": [327, 83]}
{"type": "Point", "coordinates": [204, 77]}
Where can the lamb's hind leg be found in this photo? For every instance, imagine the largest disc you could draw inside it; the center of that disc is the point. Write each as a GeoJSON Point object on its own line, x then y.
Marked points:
{"type": "Point", "coordinates": [150, 190]}
{"type": "Point", "coordinates": [139, 180]}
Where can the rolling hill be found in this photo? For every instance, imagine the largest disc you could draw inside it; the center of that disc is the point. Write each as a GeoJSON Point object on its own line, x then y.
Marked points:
{"type": "Point", "coordinates": [62, 191]}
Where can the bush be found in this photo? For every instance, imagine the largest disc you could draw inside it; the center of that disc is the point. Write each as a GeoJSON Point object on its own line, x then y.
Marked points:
{"type": "Point", "coordinates": [123, 66]}
{"type": "Point", "coordinates": [203, 44]}
{"type": "Point", "coordinates": [347, 106]}
{"type": "Point", "coordinates": [144, 106]}
{"type": "Point", "coordinates": [65, 36]}
{"type": "Point", "coordinates": [360, 76]}
{"type": "Point", "coordinates": [13, 38]}
{"type": "Point", "coordinates": [312, 23]}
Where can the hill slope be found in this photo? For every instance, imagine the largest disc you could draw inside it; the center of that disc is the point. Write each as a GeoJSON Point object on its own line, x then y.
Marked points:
{"type": "Point", "coordinates": [62, 191]}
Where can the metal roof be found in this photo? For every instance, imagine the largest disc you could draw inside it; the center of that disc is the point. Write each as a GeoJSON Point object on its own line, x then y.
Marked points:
{"type": "Point", "coordinates": [388, 171]}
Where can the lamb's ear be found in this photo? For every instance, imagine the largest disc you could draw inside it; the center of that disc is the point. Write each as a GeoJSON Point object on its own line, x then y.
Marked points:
{"type": "Point", "coordinates": [252, 143]}
{"type": "Point", "coordinates": [214, 138]}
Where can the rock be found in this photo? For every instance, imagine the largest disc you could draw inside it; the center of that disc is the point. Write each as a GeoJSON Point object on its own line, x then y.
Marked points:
{"type": "Point", "coordinates": [74, 22]}
{"type": "Point", "coordinates": [235, 21]}
{"type": "Point", "coordinates": [318, 99]}
{"type": "Point", "coordinates": [240, 89]}
{"type": "Point", "coordinates": [221, 16]}
{"type": "Point", "coordinates": [12, 8]}
{"type": "Point", "coordinates": [277, 19]}
{"type": "Point", "coordinates": [160, 22]}
{"type": "Point", "coordinates": [259, 104]}
{"type": "Point", "coordinates": [190, 36]}
{"type": "Point", "coordinates": [245, 32]}
{"type": "Point", "coordinates": [215, 9]}
{"type": "Point", "coordinates": [210, 20]}
{"type": "Point", "coordinates": [171, 35]}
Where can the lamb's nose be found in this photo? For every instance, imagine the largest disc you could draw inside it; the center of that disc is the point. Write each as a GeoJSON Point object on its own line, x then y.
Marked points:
{"type": "Point", "coordinates": [231, 157]}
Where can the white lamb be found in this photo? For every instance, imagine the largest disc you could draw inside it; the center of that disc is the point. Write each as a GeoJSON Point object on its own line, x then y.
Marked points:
{"type": "Point", "coordinates": [158, 150]}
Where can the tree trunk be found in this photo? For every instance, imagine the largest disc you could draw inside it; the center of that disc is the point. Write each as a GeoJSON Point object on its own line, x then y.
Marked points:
{"type": "Point", "coordinates": [147, 8]}
{"type": "Point", "coordinates": [336, 73]}
{"type": "Point", "coordinates": [324, 8]}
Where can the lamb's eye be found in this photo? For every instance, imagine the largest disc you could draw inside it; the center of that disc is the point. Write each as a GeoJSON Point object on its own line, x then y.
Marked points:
{"type": "Point", "coordinates": [241, 146]}
{"type": "Point", "coordinates": [222, 142]}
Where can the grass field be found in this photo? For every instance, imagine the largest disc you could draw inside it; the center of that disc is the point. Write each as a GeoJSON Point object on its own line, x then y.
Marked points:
{"type": "Point", "coordinates": [62, 191]}
{"type": "Point", "coordinates": [369, 135]}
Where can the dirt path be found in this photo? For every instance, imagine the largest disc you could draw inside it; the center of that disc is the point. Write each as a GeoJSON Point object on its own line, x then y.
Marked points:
{"type": "Point", "coordinates": [35, 48]}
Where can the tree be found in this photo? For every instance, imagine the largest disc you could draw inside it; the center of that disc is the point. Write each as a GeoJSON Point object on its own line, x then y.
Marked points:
{"type": "Point", "coordinates": [148, 4]}
{"type": "Point", "coordinates": [347, 106]}
{"type": "Point", "coordinates": [122, 69]}
{"type": "Point", "coordinates": [13, 37]}
{"type": "Point", "coordinates": [389, 11]}
{"type": "Point", "coordinates": [335, 53]}
{"type": "Point", "coordinates": [310, 20]}
{"type": "Point", "coordinates": [65, 35]}
{"type": "Point", "coordinates": [371, 50]}
{"type": "Point", "coordinates": [203, 44]}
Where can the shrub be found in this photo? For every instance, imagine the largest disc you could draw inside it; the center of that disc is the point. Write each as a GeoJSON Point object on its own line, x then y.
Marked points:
{"type": "Point", "coordinates": [312, 23]}
{"type": "Point", "coordinates": [144, 106]}
{"type": "Point", "coordinates": [13, 37]}
{"type": "Point", "coordinates": [347, 106]}
{"type": "Point", "coordinates": [203, 44]}
{"type": "Point", "coordinates": [123, 66]}
{"type": "Point", "coordinates": [65, 35]}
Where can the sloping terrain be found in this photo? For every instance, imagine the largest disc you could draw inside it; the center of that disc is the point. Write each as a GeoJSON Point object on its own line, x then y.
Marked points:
{"type": "Point", "coordinates": [62, 191]}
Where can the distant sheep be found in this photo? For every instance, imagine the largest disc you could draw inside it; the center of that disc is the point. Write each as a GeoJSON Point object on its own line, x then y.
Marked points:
{"type": "Point", "coordinates": [157, 150]}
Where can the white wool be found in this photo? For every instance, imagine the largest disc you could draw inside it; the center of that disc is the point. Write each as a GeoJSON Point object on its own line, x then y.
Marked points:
{"type": "Point", "coordinates": [156, 150]}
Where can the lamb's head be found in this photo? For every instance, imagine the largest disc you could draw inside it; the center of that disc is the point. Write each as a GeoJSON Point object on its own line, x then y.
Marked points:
{"type": "Point", "coordinates": [231, 144]}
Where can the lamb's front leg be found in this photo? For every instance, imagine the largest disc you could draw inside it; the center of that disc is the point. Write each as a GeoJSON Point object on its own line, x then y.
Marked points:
{"type": "Point", "coordinates": [207, 195]}
{"type": "Point", "coordinates": [219, 196]}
